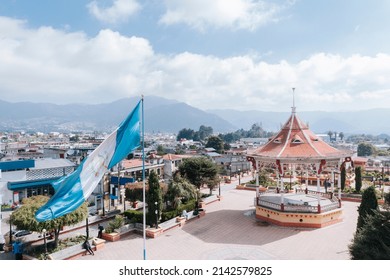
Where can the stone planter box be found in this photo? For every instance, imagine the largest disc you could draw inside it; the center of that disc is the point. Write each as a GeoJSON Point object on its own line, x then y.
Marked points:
{"type": "Point", "coordinates": [98, 243]}
{"type": "Point", "coordinates": [153, 232]}
{"type": "Point", "coordinates": [113, 236]}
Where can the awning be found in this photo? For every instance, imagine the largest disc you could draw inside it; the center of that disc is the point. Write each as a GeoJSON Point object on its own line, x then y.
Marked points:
{"type": "Point", "coordinates": [14, 186]}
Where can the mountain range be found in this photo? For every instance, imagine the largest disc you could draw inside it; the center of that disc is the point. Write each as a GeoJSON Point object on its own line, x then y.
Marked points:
{"type": "Point", "coordinates": [166, 115]}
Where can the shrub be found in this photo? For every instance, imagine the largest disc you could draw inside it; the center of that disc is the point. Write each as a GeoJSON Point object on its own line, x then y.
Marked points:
{"type": "Point", "coordinates": [134, 216]}
{"type": "Point", "coordinates": [116, 223]}
{"type": "Point", "coordinates": [167, 215]}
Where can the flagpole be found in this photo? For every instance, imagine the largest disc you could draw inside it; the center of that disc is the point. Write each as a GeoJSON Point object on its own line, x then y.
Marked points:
{"type": "Point", "coordinates": [143, 179]}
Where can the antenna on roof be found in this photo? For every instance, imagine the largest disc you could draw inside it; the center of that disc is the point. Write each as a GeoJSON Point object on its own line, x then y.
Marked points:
{"type": "Point", "coordinates": [293, 107]}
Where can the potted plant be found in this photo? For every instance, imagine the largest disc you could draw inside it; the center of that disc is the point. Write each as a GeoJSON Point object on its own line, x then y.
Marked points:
{"type": "Point", "coordinates": [109, 232]}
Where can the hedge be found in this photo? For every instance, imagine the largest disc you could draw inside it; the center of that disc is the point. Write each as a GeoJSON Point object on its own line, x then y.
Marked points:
{"type": "Point", "coordinates": [167, 215]}
{"type": "Point", "coordinates": [134, 216]}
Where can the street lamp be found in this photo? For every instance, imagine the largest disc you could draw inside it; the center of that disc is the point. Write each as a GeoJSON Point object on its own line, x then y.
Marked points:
{"type": "Point", "coordinates": [10, 230]}
{"type": "Point", "coordinates": [383, 179]}
{"type": "Point", "coordinates": [219, 186]}
{"type": "Point", "coordinates": [380, 181]}
{"type": "Point", "coordinates": [156, 212]}
{"type": "Point", "coordinates": [239, 176]}
{"type": "Point", "coordinates": [44, 241]}
{"type": "Point", "coordinates": [2, 240]}
{"type": "Point", "coordinates": [124, 200]}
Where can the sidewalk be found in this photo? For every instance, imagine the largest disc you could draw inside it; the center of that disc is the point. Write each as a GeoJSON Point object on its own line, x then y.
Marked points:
{"type": "Point", "coordinates": [229, 230]}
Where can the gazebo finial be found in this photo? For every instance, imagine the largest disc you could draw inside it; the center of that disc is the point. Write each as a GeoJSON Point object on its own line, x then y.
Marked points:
{"type": "Point", "coordinates": [293, 107]}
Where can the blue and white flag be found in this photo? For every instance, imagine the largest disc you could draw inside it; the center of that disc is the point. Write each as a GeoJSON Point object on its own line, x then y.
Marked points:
{"type": "Point", "coordinates": [72, 190]}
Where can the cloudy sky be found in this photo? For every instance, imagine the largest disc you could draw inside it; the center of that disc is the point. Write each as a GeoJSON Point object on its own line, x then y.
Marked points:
{"type": "Point", "coordinates": [240, 54]}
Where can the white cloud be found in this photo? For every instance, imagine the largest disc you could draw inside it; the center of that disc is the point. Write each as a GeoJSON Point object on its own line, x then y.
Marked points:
{"type": "Point", "coordinates": [234, 14]}
{"type": "Point", "coordinates": [120, 10]}
{"type": "Point", "coordinates": [49, 65]}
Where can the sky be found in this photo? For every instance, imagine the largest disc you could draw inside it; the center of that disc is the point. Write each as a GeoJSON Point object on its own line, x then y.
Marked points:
{"type": "Point", "coordinates": [210, 54]}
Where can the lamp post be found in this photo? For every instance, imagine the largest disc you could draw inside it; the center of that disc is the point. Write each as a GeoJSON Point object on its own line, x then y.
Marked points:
{"type": "Point", "coordinates": [156, 212]}
{"type": "Point", "coordinates": [10, 230]}
{"type": "Point", "coordinates": [219, 186]}
{"type": "Point", "coordinates": [2, 240]}
{"type": "Point", "coordinates": [44, 241]}
{"type": "Point", "coordinates": [383, 179]}
{"type": "Point", "coordinates": [124, 200]}
{"type": "Point", "coordinates": [239, 176]}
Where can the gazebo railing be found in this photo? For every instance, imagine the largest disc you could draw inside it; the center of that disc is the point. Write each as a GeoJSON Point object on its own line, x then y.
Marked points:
{"type": "Point", "coordinates": [297, 208]}
{"type": "Point", "coordinates": [301, 208]}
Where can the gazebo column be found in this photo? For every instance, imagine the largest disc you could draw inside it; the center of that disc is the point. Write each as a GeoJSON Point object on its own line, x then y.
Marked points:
{"type": "Point", "coordinates": [339, 187]}
{"type": "Point", "coordinates": [307, 180]}
{"type": "Point", "coordinates": [294, 173]}
{"type": "Point", "coordinates": [332, 183]}
{"type": "Point", "coordinates": [318, 187]}
{"type": "Point", "coordinates": [282, 194]}
{"type": "Point", "coordinates": [257, 183]}
{"type": "Point", "coordinates": [318, 193]}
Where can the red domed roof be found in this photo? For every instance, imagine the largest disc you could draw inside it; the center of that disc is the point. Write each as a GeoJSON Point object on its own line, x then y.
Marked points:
{"type": "Point", "coordinates": [296, 140]}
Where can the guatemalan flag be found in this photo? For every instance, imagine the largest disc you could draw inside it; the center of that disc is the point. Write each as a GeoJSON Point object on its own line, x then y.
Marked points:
{"type": "Point", "coordinates": [72, 190]}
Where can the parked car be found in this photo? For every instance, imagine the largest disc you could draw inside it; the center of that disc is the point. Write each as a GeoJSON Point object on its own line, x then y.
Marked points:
{"type": "Point", "coordinates": [16, 234]}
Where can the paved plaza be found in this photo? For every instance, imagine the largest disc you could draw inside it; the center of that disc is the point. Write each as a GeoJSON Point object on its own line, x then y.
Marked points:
{"type": "Point", "coordinates": [230, 231]}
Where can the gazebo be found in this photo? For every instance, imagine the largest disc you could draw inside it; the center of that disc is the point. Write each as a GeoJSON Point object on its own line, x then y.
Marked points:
{"type": "Point", "coordinates": [296, 150]}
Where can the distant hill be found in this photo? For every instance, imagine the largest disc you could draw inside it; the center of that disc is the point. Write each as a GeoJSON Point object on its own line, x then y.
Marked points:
{"type": "Point", "coordinates": [373, 121]}
{"type": "Point", "coordinates": [166, 115]}
{"type": "Point", "coordinates": [161, 114]}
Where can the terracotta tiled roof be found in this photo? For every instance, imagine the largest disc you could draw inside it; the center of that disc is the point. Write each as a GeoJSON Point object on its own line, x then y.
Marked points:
{"type": "Point", "coordinates": [175, 157]}
{"type": "Point", "coordinates": [132, 163]}
{"type": "Point", "coordinates": [296, 140]}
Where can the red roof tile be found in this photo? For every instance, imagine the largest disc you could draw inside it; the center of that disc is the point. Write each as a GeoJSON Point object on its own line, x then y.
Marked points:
{"type": "Point", "coordinates": [295, 140]}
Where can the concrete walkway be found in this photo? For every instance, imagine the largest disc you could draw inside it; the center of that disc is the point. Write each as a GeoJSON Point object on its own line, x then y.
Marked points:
{"type": "Point", "coordinates": [230, 231]}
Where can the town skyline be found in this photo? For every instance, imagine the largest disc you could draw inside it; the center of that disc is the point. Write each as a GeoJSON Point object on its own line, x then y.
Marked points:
{"type": "Point", "coordinates": [246, 55]}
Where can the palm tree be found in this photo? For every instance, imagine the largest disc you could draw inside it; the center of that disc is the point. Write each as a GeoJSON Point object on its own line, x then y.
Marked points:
{"type": "Point", "coordinates": [330, 133]}
{"type": "Point", "coordinates": [179, 190]}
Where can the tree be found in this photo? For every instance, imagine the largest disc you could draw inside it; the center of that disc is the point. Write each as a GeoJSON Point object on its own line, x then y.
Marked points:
{"type": "Point", "coordinates": [330, 133]}
{"type": "Point", "coordinates": [24, 217]}
{"type": "Point", "coordinates": [200, 171]}
{"type": "Point", "coordinates": [161, 150]}
{"type": "Point", "coordinates": [372, 240]}
{"type": "Point", "coordinates": [185, 133]}
{"type": "Point", "coordinates": [341, 135]}
{"type": "Point", "coordinates": [180, 190]}
{"type": "Point", "coordinates": [204, 132]}
{"type": "Point", "coordinates": [154, 195]}
{"type": "Point", "coordinates": [216, 143]}
{"type": "Point", "coordinates": [358, 178]}
{"type": "Point", "coordinates": [368, 204]}
{"type": "Point", "coordinates": [365, 149]}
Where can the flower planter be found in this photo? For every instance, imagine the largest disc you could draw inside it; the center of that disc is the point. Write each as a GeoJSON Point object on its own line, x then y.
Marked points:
{"type": "Point", "coordinates": [113, 236]}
